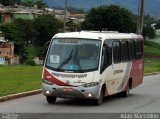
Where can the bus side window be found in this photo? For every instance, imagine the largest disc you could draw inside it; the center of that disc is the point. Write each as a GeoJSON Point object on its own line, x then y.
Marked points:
{"type": "Point", "coordinates": [103, 60]}
{"type": "Point", "coordinates": [109, 52]}
{"type": "Point", "coordinates": [124, 51]}
{"type": "Point", "coordinates": [139, 49]}
{"type": "Point", "coordinates": [132, 50]}
{"type": "Point", "coordinates": [116, 52]}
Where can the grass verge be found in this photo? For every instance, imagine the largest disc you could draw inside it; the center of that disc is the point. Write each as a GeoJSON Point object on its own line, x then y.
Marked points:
{"type": "Point", "coordinates": [152, 57]}
{"type": "Point", "coordinates": [152, 48]}
{"type": "Point", "coordinates": [151, 65]}
{"type": "Point", "coordinates": [16, 79]}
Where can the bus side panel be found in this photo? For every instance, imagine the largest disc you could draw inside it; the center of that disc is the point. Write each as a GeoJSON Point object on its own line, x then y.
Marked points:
{"type": "Point", "coordinates": [116, 78]}
{"type": "Point", "coordinates": [137, 72]}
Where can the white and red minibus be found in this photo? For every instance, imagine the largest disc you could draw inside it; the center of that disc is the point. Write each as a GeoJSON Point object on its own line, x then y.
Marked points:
{"type": "Point", "coordinates": [92, 64]}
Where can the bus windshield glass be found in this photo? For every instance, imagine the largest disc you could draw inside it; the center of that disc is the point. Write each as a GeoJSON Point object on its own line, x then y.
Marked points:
{"type": "Point", "coordinates": [76, 55]}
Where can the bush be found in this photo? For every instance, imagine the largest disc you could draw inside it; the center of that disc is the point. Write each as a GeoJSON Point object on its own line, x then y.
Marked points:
{"type": "Point", "coordinates": [149, 32]}
{"type": "Point", "coordinates": [30, 62]}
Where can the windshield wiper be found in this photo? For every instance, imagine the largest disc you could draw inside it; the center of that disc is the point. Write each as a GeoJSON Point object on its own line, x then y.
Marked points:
{"type": "Point", "coordinates": [65, 61]}
{"type": "Point", "coordinates": [77, 61]}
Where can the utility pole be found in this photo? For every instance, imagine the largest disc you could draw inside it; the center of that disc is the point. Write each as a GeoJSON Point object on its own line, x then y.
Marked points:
{"type": "Point", "coordinates": [65, 16]}
{"type": "Point", "coordinates": [140, 17]}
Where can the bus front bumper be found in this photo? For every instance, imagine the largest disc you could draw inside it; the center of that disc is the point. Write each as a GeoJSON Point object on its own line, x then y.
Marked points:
{"type": "Point", "coordinates": [71, 92]}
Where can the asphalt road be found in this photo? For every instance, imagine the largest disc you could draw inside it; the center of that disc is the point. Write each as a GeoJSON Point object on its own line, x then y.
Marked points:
{"type": "Point", "coordinates": [145, 98]}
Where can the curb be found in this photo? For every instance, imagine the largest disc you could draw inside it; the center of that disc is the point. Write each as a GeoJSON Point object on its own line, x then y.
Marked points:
{"type": "Point", "coordinates": [19, 95]}
{"type": "Point", "coordinates": [154, 73]}
{"type": "Point", "coordinates": [29, 93]}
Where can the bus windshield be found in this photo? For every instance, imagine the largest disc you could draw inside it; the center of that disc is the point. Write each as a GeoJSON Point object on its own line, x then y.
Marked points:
{"type": "Point", "coordinates": [75, 55]}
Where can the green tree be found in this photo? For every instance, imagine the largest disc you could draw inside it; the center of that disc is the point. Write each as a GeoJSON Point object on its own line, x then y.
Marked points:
{"type": "Point", "coordinates": [10, 2]}
{"type": "Point", "coordinates": [72, 26]}
{"type": "Point", "coordinates": [112, 17]}
{"type": "Point", "coordinates": [149, 32]}
{"type": "Point", "coordinates": [40, 3]}
{"type": "Point", "coordinates": [14, 34]}
{"type": "Point", "coordinates": [148, 20]}
{"type": "Point", "coordinates": [75, 10]}
{"type": "Point", "coordinates": [28, 3]}
{"type": "Point", "coordinates": [0, 17]}
{"type": "Point", "coordinates": [22, 33]}
{"type": "Point", "coordinates": [27, 27]}
{"type": "Point", "coordinates": [32, 34]}
{"type": "Point", "coordinates": [158, 24]}
{"type": "Point", "coordinates": [46, 26]}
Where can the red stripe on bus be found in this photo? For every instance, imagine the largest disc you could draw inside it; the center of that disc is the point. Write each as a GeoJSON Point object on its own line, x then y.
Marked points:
{"type": "Point", "coordinates": [51, 78]}
{"type": "Point", "coordinates": [136, 73]}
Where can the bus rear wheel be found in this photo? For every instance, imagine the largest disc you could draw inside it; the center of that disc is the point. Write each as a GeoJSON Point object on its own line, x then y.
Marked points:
{"type": "Point", "coordinates": [51, 99]}
{"type": "Point", "coordinates": [125, 93]}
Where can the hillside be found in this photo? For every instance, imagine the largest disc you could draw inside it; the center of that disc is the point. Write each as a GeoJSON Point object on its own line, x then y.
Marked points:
{"type": "Point", "coordinates": [151, 6]}
{"type": "Point", "coordinates": [152, 49]}
{"type": "Point", "coordinates": [152, 57]}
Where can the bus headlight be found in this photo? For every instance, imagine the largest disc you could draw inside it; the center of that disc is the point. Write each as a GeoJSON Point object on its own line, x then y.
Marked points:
{"type": "Point", "coordinates": [47, 82]}
{"type": "Point", "coordinates": [86, 85]}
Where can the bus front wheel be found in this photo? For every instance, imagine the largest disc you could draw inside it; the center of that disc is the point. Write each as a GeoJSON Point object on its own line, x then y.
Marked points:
{"type": "Point", "coordinates": [99, 101]}
{"type": "Point", "coordinates": [51, 99]}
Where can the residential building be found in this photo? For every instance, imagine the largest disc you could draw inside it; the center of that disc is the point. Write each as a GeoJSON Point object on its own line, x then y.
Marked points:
{"type": "Point", "coordinates": [7, 56]}
{"type": "Point", "coordinates": [77, 17]}
{"type": "Point", "coordinates": [9, 13]}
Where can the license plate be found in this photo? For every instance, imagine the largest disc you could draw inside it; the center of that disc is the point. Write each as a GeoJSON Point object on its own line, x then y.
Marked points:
{"type": "Point", "coordinates": [67, 89]}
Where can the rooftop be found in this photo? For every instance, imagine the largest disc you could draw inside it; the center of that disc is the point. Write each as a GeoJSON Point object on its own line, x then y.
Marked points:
{"type": "Point", "coordinates": [2, 40]}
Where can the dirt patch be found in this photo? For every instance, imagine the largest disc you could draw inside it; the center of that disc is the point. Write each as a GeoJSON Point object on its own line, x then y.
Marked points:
{"type": "Point", "coordinates": [152, 56]}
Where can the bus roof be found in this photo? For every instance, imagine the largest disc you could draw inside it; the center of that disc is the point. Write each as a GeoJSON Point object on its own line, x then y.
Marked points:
{"type": "Point", "coordinates": [98, 35]}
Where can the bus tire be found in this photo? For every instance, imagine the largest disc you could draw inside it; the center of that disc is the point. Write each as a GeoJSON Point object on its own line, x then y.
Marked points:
{"type": "Point", "coordinates": [99, 101]}
{"type": "Point", "coordinates": [126, 92]}
{"type": "Point", "coordinates": [51, 99]}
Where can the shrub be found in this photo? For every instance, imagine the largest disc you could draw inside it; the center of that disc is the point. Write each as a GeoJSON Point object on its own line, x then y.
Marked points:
{"type": "Point", "coordinates": [30, 62]}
